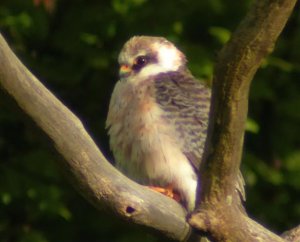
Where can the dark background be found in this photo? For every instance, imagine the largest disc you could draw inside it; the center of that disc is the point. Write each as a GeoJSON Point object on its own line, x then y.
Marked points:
{"type": "Point", "coordinates": [72, 47]}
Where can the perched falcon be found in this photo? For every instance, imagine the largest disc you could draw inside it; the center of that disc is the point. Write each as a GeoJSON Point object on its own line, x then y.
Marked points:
{"type": "Point", "coordinates": [158, 117]}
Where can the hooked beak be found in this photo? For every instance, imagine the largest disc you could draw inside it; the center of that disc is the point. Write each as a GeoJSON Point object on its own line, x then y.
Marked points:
{"type": "Point", "coordinates": [125, 71]}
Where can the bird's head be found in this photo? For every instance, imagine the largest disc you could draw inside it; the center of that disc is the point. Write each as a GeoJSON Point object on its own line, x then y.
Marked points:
{"type": "Point", "coordinates": [144, 56]}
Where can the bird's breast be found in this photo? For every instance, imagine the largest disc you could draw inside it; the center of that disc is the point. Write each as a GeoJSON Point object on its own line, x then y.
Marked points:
{"type": "Point", "coordinates": [138, 131]}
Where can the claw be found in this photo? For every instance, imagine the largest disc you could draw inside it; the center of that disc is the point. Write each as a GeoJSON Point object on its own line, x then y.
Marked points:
{"type": "Point", "coordinates": [167, 191]}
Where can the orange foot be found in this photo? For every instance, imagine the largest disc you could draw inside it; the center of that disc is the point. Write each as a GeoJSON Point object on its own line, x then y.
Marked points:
{"type": "Point", "coordinates": [167, 191]}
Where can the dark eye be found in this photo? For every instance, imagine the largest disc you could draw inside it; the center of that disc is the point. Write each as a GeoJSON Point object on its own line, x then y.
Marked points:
{"type": "Point", "coordinates": [140, 62]}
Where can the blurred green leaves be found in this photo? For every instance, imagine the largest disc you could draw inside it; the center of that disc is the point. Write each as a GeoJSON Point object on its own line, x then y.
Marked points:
{"type": "Point", "coordinates": [122, 7]}
{"type": "Point", "coordinates": [221, 34]}
{"type": "Point", "coordinates": [89, 39]}
{"type": "Point", "coordinates": [252, 126]}
{"type": "Point", "coordinates": [21, 21]}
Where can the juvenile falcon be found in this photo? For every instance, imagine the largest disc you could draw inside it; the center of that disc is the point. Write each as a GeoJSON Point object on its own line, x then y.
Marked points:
{"type": "Point", "coordinates": [158, 117]}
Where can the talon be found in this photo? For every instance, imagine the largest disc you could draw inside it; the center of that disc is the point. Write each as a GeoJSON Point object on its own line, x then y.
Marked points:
{"type": "Point", "coordinates": [167, 191]}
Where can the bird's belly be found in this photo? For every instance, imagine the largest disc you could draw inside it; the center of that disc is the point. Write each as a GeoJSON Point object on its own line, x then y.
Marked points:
{"type": "Point", "coordinates": [148, 148]}
{"type": "Point", "coordinates": [146, 145]}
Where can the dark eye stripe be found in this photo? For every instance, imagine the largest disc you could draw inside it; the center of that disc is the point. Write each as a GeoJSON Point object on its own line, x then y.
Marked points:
{"type": "Point", "coordinates": [140, 62]}
{"type": "Point", "coordinates": [143, 60]}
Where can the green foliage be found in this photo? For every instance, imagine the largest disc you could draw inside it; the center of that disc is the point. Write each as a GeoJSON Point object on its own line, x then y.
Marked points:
{"type": "Point", "coordinates": [73, 50]}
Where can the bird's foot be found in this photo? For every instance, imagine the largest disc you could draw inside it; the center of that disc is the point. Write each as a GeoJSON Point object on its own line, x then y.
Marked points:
{"type": "Point", "coordinates": [167, 191]}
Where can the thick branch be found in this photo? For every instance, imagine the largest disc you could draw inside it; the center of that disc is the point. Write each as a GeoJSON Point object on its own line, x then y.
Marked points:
{"type": "Point", "coordinates": [219, 174]}
{"type": "Point", "coordinates": [93, 175]}
{"type": "Point", "coordinates": [292, 235]}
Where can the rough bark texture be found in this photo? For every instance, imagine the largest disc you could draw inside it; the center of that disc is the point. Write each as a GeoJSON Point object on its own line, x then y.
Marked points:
{"type": "Point", "coordinates": [219, 212]}
{"type": "Point", "coordinates": [292, 235]}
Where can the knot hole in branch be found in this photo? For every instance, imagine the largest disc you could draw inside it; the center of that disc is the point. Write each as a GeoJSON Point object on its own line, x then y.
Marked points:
{"type": "Point", "coordinates": [130, 210]}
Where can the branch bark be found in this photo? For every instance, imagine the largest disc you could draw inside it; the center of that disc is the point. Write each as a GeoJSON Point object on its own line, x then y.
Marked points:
{"type": "Point", "coordinates": [219, 210]}
{"type": "Point", "coordinates": [292, 235]}
{"type": "Point", "coordinates": [92, 174]}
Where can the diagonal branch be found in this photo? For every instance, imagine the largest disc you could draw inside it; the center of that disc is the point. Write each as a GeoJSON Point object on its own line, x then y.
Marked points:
{"type": "Point", "coordinates": [219, 211]}
{"type": "Point", "coordinates": [92, 174]}
{"type": "Point", "coordinates": [292, 235]}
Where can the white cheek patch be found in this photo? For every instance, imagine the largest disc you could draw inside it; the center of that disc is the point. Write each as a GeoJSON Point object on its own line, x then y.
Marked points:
{"type": "Point", "coordinates": [151, 70]}
{"type": "Point", "coordinates": [168, 57]}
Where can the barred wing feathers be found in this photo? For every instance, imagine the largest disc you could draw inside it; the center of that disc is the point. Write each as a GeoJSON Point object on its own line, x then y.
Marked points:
{"type": "Point", "coordinates": [186, 103]}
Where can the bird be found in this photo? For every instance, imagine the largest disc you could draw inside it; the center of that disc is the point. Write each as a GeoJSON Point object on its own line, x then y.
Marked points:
{"type": "Point", "coordinates": [158, 117]}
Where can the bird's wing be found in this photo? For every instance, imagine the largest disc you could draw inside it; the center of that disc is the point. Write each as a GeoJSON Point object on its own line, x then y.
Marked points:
{"type": "Point", "coordinates": [185, 102]}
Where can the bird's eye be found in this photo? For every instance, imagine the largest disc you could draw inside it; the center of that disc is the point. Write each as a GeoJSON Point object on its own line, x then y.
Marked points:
{"type": "Point", "coordinates": [140, 62]}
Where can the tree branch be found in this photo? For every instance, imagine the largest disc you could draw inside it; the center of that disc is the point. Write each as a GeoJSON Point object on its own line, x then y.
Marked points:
{"type": "Point", "coordinates": [292, 235]}
{"type": "Point", "coordinates": [92, 174]}
{"type": "Point", "coordinates": [219, 211]}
